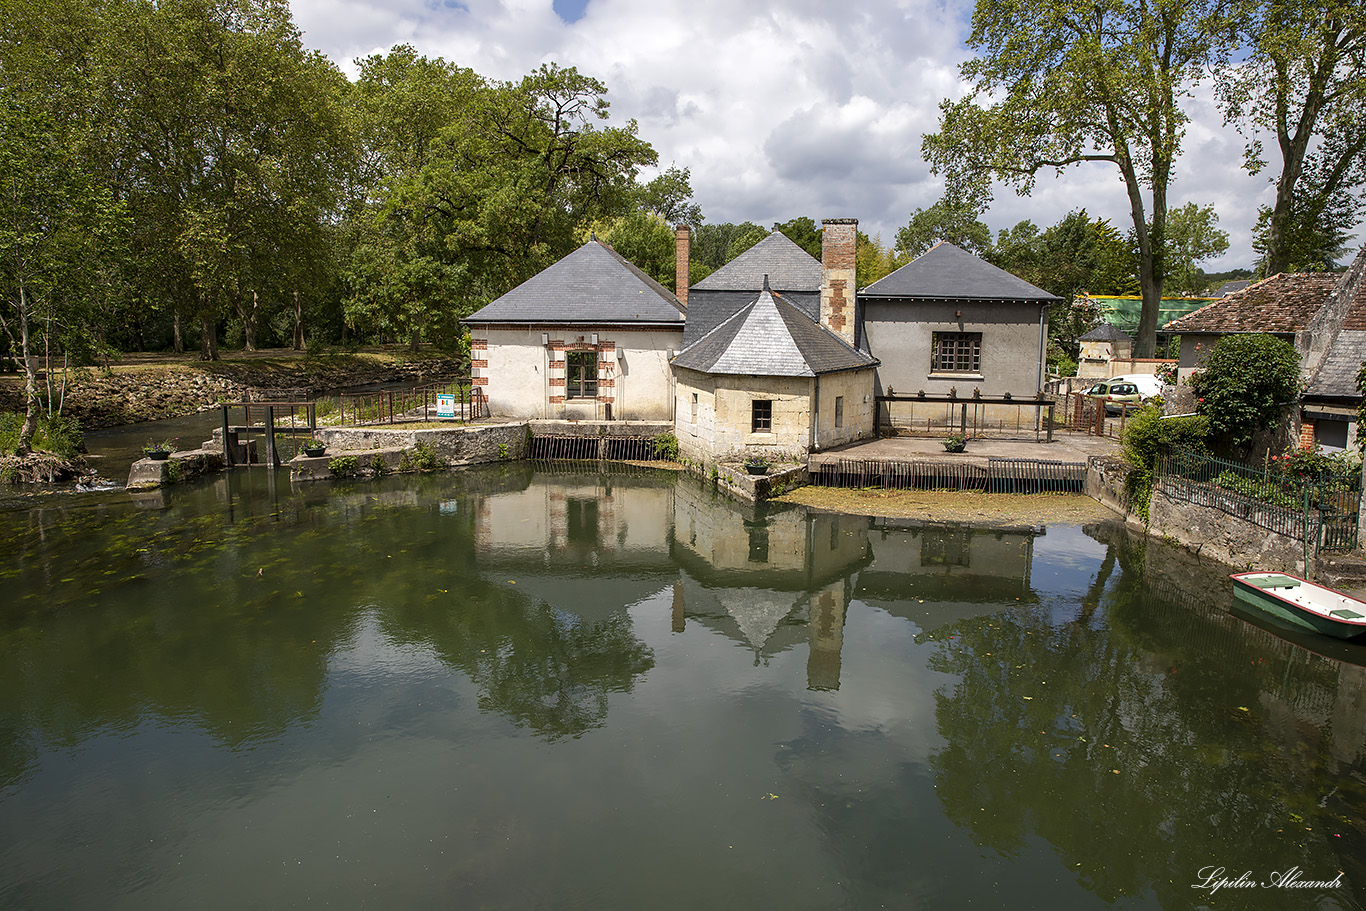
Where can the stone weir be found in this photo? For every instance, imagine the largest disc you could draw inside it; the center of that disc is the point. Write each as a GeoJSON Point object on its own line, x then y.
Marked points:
{"type": "Point", "coordinates": [368, 451]}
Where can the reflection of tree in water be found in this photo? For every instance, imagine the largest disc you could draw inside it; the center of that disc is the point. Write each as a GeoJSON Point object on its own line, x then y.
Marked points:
{"type": "Point", "coordinates": [548, 672]}
{"type": "Point", "coordinates": [119, 615]}
{"type": "Point", "coordinates": [1138, 751]}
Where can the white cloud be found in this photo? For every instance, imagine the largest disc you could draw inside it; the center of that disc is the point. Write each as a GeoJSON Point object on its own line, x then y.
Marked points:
{"type": "Point", "coordinates": [804, 108]}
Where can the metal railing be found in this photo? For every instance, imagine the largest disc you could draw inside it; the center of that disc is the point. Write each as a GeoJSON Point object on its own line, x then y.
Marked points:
{"type": "Point", "coordinates": [996, 476]}
{"type": "Point", "coordinates": [392, 406]}
{"type": "Point", "coordinates": [1319, 508]}
{"type": "Point", "coordinates": [972, 416]}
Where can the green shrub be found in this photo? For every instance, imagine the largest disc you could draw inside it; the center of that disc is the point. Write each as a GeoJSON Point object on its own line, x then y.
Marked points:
{"type": "Point", "coordinates": [1246, 385]}
{"type": "Point", "coordinates": [503, 452]}
{"type": "Point", "coordinates": [424, 458]}
{"type": "Point", "coordinates": [666, 447]}
{"type": "Point", "coordinates": [378, 465]}
{"type": "Point", "coordinates": [1147, 435]}
{"type": "Point", "coordinates": [343, 465]}
{"type": "Point", "coordinates": [59, 434]}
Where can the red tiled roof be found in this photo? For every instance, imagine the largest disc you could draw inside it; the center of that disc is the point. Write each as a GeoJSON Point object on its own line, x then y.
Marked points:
{"type": "Point", "coordinates": [1285, 302]}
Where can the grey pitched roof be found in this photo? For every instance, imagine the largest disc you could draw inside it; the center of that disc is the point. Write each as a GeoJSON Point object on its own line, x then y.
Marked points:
{"type": "Point", "coordinates": [948, 272]}
{"type": "Point", "coordinates": [594, 284]}
{"type": "Point", "coordinates": [788, 267]}
{"type": "Point", "coordinates": [1105, 332]}
{"type": "Point", "coordinates": [771, 337]}
{"type": "Point", "coordinates": [709, 309]}
{"type": "Point", "coordinates": [1337, 377]}
{"type": "Point", "coordinates": [1230, 287]}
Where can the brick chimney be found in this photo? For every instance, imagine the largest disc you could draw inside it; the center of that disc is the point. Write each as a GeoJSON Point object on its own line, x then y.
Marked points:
{"type": "Point", "coordinates": [682, 242]}
{"type": "Point", "coordinates": [839, 240]}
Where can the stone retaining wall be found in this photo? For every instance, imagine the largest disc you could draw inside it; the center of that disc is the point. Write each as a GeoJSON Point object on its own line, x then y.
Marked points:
{"type": "Point", "coordinates": [1213, 533]}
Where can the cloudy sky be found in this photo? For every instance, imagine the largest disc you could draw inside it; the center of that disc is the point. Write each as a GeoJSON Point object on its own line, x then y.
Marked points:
{"type": "Point", "coordinates": [780, 109]}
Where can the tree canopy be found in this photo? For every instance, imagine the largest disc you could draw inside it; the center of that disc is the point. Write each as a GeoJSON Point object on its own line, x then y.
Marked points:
{"type": "Point", "coordinates": [1055, 86]}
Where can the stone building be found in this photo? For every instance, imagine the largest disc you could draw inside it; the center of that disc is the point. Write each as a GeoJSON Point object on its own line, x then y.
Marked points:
{"type": "Point", "coordinates": [588, 338]}
{"type": "Point", "coordinates": [951, 321]}
{"type": "Point", "coordinates": [1100, 349]}
{"type": "Point", "coordinates": [1324, 315]}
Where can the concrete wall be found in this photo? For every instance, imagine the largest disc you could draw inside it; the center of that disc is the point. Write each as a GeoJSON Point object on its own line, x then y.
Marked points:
{"type": "Point", "coordinates": [900, 334]}
{"type": "Point", "coordinates": [525, 378]}
{"type": "Point", "coordinates": [455, 445]}
{"type": "Point", "coordinates": [1224, 537]}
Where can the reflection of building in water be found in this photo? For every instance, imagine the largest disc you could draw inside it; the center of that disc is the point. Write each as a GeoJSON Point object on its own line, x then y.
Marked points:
{"type": "Point", "coordinates": [937, 574]}
{"type": "Point", "coordinates": [586, 544]}
{"type": "Point", "coordinates": [768, 578]}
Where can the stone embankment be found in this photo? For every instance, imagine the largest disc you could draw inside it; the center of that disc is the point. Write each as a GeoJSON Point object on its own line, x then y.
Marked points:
{"type": "Point", "coordinates": [131, 394]}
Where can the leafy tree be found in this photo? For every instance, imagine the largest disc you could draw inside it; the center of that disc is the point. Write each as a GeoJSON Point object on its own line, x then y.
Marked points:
{"type": "Point", "coordinates": [874, 260]}
{"type": "Point", "coordinates": [946, 220]}
{"type": "Point", "coordinates": [1246, 386]}
{"type": "Point", "coordinates": [670, 197]}
{"type": "Point", "coordinates": [647, 242]}
{"type": "Point", "coordinates": [1303, 81]}
{"type": "Point", "coordinates": [1057, 85]}
{"type": "Point", "coordinates": [229, 149]}
{"type": "Point", "coordinates": [1192, 236]}
{"type": "Point", "coordinates": [496, 192]}
{"type": "Point", "coordinates": [57, 220]}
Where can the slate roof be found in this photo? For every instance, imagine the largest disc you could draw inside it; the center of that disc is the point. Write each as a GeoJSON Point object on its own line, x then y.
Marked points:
{"type": "Point", "coordinates": [771, 337]}
{"type": "Point", "coordinates": [1105, 332]}
{"type": "Point", "coordinates": [1337, 377]}
{"type": "Point", "coordinates": [1283, 303]}
{"type": "Point", "coordinates": [594, 284]}
{"type": "Point", "coordinates": [709, 309]}
{"type": "Point", "coordinates": [788, 267]}
{"type": "Point", "coordinates": [947, 272]}
{"type": "Point", "coordinates": [1229, 287]}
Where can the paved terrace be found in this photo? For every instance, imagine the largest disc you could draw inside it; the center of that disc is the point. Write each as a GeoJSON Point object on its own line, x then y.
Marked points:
{"type": "Point", "coordinates": [1066, 447]}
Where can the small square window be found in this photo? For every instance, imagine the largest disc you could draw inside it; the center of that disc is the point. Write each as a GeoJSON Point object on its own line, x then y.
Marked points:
{"type": "Point", "coordinates": [761, 420]}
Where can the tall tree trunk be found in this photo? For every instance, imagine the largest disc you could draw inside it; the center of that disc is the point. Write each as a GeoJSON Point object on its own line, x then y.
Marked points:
{"type": "Point", "coordinates": [298, 323]}
{"type": "Point", "coordinates": [248, 317]}
{"type": "Point", "coordinates": [179, 338]}
{"type": "Point", "coordinates": [416, 341]}
{"type": "Point", "coordinates": [30, 426]}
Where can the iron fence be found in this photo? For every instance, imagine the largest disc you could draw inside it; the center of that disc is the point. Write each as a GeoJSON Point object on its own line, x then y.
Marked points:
{"type": "Point", "coordinates": [996, 476]}
{"type": "Point", "coordinates": [1318, 507]}
{"type": "Point", "coordinates": [394, 406]}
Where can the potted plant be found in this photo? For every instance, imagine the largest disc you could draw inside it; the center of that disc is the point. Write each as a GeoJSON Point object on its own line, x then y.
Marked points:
{"type": "Point", "coordinates": [159, 452]}
{"type": "Point", "coordinates": [756, 464]}
{"type": "Point", "coordinates": [956, 443]}
{"type": "Point", "coordinates": [313, 448]}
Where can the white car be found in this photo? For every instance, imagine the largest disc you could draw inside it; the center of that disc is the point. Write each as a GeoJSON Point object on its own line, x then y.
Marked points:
{"type": "Point", "coordinates": [1130, 389]}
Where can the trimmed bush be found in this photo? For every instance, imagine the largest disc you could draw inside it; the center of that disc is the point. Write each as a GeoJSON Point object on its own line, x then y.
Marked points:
{"type": "Point", "coordinates": [1246, 385]}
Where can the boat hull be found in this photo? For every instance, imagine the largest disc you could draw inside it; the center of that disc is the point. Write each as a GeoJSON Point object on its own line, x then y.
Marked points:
{"type": "Point", "coordinates": [1305, 604]}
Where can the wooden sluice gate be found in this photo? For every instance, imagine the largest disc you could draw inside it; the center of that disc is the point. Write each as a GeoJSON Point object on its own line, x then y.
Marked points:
{"type": "Point", "coordinates": [991, 476]}
{"type": "Point", "coordinates": [270, 420]}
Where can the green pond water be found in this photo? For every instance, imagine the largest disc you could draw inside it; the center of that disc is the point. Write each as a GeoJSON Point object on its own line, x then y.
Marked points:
{"type": "Point", "coordinates": [562, 690]}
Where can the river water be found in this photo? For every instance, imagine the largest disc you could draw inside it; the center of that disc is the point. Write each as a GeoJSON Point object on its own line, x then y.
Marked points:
{"type": "Point", "coordinates": [509, 689]}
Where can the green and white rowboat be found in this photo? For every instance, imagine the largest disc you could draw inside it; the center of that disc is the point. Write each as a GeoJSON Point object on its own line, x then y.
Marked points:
{"type": "Point", "coordinates": [1303, 603]}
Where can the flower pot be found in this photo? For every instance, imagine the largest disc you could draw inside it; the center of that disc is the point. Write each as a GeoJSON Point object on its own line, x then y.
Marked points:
{"type": "Point", "coordinates": [757, 468]}
{"type": "Point", "coordinates": [955, 447]}
{"type": "Point", "coordinates": [314, 452]}
{"type": "Point", "coordinates": [158, 456]}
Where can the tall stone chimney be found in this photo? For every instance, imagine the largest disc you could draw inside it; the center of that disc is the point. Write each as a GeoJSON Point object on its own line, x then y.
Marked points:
{"type": "Point", "coordinates": [682, 242]}
{"type": "Point", "coordinates": [839, 242]}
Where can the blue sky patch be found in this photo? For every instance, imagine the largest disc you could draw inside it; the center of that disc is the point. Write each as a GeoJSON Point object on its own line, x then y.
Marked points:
{"type": "Point", "coordinates": [570, 11]}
